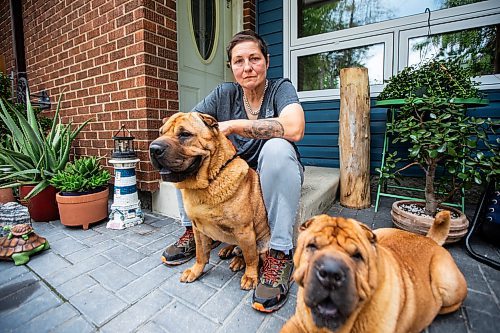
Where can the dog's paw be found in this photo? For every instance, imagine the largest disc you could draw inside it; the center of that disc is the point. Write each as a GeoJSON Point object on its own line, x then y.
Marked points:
{"type": "Point", "coordinates": [190, 274]}
{"type": "Point", "coordinates": [227, 252]}
{"type": "Point", "coordinates": [237, 264]}
{"type": "Point", "coordinates": [248, 282]}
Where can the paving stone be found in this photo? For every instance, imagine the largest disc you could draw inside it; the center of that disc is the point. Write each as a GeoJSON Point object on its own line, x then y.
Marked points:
{"type": "Point", "coordinates": [50, 319]}
{"type": "Point", "coordinates": [97, 239]}
{"type": "Point", "coordinates": [148, 264]}
{"type": "Point", "coordinates": [54, 235]}
{"type": "Point", "coordinates": [271, 325]}
{"type": "Point", "coordinates": [245, 319]}
{"type": "Point", "coordinates": [123, 255]}
{"type": "Point", "coordinates": [138, 239]}
{"type": "Point", "coordinates": [19, 291]}
{"type": "Point", "coordinates": [75, 285]}
{"type": "Point", "coordinates": [218, 276]}
{"type": "Point", "coordinates": [151, 327]}
{"type": "Point", "coordinates": [47, 262]}
{"type": "Point", "coordinates": [66, 245]}
{"type": "Point", "coordinates": [79, 233]}
{"type": "Point", "coordinates": [157, 245]}
{"type": "Point", "coordinates": [143, 229]}
{"type": "Point", "coordinates": [475, 278]}
{"type": "Point", "coordinates": [75, 324]}
{"type": "Point", "coordinates": [8, 271]}
{"type": "Point", "coordinates": [91, 251]}
{"type": "Point", "coordinates": [481, 322]}
{"type": "Point", "coordinates": [44, 301]}
{"type": "Point", "coordinates": [485, 302]}
{"type": "Point", "coordinates": [144, 284]}
{"type": "Point", "coordinates": [113, 276]}
{"type": "Point", "coordinates": [195, 293]}
{"type": "Point", "coordinates": [225, 301]}
{"type": "Point", "coordinates": [76, 270]}
{"type": "Point", "coordinates": [453, 322]}
{"type": "Point", "coordinates": [43, 227]}
{"type": "Point", "coordinates": [98, 304]}
{"type": "Point", "coordinates": [137, 314]}
{"type": "Point", "coordinates": [178, 318]}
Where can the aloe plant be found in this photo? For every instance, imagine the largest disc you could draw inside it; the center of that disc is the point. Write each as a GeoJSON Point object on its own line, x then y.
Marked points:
{"type": "Point", "coordinates": [84, 174]}
{"type": "Point", "coordinates": [34, 155]}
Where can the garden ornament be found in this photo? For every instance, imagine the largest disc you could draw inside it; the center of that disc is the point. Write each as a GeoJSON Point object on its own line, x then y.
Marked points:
{"type": "Point", "coordinates": [21, 243]}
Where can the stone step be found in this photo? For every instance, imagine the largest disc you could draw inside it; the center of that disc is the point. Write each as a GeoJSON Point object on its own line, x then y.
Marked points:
{"type": "Point", "coordinates": [319, 192]}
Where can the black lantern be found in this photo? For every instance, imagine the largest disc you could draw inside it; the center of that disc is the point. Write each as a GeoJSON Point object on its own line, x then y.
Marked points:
{"type": "Point", "coordinates": [124, 144]}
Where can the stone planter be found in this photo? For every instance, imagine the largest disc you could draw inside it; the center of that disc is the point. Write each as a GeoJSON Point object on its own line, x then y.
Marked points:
{"type": "Point", "coordinates": [421, 224]}
{"type": "Point", "coordinates": [82, 210]}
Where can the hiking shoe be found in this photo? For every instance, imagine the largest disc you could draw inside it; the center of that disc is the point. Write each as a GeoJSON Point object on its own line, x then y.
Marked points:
{"type": "Point", "coordinates": [183, 250]}
{"type": "Point", "coordinates": [274, 282]}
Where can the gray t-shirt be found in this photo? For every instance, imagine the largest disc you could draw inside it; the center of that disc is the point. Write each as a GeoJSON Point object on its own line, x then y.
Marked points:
{"type": "Point", "coordinates": [225, 102]}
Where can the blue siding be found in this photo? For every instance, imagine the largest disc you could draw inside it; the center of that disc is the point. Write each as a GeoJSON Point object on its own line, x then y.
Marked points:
{"type": "Point", "coordinates": [270, 27]}
{"type": "Point", "coordinates": [320, 144]}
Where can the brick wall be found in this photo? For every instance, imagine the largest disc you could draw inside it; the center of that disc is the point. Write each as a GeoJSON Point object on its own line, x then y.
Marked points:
{"type": "Point", "coordinates": [249, 15]}
{"type": "Point", "coordinates": [6, 36]}
{"type": "Point", "coordinates": [114, 61]}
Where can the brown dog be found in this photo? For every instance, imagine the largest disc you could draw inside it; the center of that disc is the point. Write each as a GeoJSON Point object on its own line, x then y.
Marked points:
{"type": "Point", "coordinates": [352, 279]}
{"type": "Point", "coordinates": [221, 193]}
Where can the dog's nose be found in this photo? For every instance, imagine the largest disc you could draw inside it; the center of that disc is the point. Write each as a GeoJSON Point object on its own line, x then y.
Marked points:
{"type": "Point", "coordinates": [156, 149]}
{"type": "Point", "coordinates": [330, 272]}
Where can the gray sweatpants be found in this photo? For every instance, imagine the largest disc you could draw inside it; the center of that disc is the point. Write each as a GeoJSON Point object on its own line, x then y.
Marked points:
{"type": "Point", "coordinates": [281, 177]}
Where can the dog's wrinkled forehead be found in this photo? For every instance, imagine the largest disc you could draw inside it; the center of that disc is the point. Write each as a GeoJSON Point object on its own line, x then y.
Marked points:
{"type": "Point", "coordinates": [326, 230]}
{"type": "Point", "coordinates": [183, 122]}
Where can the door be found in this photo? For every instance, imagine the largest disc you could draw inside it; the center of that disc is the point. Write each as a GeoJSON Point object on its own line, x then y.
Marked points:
{"type": "Point", "coordinates": [204, 29]}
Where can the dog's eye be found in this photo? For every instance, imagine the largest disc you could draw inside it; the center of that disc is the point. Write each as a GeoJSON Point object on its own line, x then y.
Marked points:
{"type": "Point", "coordinates": [357, 255]}
{"type": "Point", "coordinates": [185, 135]}
{"type": "Point", "coordinates": [311, 247]}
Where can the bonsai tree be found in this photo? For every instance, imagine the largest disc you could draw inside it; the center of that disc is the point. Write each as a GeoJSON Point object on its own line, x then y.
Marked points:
{"type": "Point", "coordinates": [452, 149]}
{"type": "Point", "coordinates": [34, 154]}
{"type": "Point", "coordinates": [83, 175]}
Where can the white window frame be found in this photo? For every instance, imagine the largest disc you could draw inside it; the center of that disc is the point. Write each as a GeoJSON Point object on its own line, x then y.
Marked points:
{"type": "Point", "coordinates": [395, 51]}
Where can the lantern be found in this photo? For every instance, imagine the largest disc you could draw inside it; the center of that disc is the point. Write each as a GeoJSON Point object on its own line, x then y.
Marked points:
{"type": "Point", "coordinates": [126, 208]}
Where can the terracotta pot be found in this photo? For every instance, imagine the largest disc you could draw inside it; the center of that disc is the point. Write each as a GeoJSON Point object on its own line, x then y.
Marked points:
{"type": "Point", "coordinates": [82, 210]}
{"type": "Point", "coordinates": [43, 206]}
{"type": "Point", "coordinates": [421, 224]}
{"type": "Point", "coordinates": [6, 195]}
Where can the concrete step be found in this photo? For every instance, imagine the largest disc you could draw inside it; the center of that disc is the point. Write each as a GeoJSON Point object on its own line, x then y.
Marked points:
{"type": "Point", "coordinates": [319, 192]}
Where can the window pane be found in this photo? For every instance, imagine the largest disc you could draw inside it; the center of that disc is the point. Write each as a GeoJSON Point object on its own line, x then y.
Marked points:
{"type": "Point", "coordinates": [322, 70]}
{"type": "Point", "coordinates": [320, 16]}
{"type": "Point", "coordinates": [203, 17]}
{"type": "Point", "coordinates": [476, 47]}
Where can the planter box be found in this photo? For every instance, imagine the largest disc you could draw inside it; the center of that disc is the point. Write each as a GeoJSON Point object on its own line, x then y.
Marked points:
{"type": "Point", "coordinates": [82, 210]}
{"type": "Point", "coordinates": [43, 206]}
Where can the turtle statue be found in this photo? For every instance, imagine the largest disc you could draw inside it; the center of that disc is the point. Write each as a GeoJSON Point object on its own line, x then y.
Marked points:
{"type": "Point", "coordinates": [21, 243]}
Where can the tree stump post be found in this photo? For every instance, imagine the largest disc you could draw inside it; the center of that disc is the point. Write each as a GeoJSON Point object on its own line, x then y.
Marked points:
{"type": "Point", "coordinates": [354, 138]}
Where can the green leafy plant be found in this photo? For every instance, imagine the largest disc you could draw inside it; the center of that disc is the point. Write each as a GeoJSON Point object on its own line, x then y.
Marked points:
{"type": "Point", "coordinates": [453, 149]}
{"type": "Point", "coordinates": [34, 154]}
{"type": "Point", "coordinates": [83, 175]}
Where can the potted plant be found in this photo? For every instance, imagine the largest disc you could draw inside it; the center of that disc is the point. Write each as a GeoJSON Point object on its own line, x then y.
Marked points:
{"type": "Point", "coordinates": [35, 156]}
{"type": "Point", "coordinates": [429, 116]}
{"type": "Point", "coordinates": [83, 196]}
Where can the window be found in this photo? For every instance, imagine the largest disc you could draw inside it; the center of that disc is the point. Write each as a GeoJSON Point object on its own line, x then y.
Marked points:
{"type": "Point", "coordinates": [203, 20]}
{"type": "Point", "coordinates": [385, 36]}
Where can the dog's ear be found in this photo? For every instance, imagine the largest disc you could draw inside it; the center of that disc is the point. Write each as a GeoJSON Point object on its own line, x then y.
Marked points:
{"type": "Point", "coordinates": [208, 120]}
{"type": "Point", "coordinates": [369, 233]}
{"type": "Point", "coordinates": [306, 224]}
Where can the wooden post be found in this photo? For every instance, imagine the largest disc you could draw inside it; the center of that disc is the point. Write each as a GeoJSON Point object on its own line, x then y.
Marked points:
{"type": "Point", "coordinates": [354, 138]}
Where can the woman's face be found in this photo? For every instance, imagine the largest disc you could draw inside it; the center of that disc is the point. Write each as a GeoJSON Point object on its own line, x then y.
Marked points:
{"type": "Point", "coordinates": [248, 64]}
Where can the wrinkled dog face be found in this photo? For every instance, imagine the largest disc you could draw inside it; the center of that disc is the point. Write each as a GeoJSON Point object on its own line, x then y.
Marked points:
{"type": "Point", "coordinates": [184, 143]}
{"type": "Point", "coordinates": [335, 266]}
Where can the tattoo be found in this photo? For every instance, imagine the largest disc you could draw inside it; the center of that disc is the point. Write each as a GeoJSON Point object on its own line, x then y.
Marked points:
{"type": "Point", "coordinates": [265, 129]}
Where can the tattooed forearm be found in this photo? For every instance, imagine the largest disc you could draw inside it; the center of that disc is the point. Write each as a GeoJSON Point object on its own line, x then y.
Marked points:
{"type": "Point", "coordinates": [265, 129]}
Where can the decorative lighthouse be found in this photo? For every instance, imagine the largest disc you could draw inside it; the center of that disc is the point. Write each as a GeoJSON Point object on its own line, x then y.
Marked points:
{"type": "Point", "coordinates": [126, 208]}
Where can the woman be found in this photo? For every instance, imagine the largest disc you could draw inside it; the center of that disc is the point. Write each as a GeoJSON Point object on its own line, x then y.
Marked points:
{"type": "Point", "coordinates": [262, 118]}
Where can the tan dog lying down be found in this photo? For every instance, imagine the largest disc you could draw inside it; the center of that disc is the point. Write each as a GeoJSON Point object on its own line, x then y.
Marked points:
{"type": "Point", "coordinates": [352, 279]}
{"type": "Point", "coordinates": [221, 193]}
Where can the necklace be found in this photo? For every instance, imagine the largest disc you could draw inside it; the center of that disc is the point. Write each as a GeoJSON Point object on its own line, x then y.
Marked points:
{"type": "Point", "coordinates": [247, 104]}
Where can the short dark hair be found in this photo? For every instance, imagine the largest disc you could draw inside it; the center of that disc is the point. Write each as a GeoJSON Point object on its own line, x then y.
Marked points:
{"type": "Point", "coordinates": [245, 36]}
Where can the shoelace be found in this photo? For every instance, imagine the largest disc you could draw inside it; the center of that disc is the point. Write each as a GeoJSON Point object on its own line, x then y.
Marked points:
{"type": "Point", "coordinates": [184, 240]}
{"type": "Point", "coordinates": [273, 267]}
